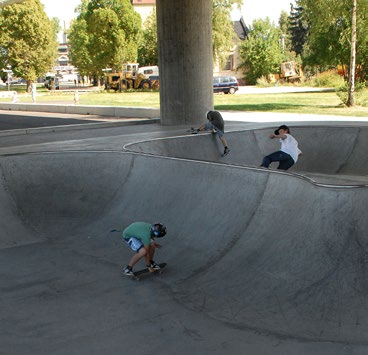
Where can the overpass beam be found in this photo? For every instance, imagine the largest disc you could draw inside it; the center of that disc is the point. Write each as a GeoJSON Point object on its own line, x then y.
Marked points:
{"type": "Point", "coordinates": [185, 60]}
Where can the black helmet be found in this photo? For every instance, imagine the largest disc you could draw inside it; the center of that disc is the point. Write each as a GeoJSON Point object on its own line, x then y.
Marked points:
{"type": "Point", "coordinates": [158, 230]}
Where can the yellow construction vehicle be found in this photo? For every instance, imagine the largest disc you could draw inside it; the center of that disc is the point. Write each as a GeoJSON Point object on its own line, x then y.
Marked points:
{"type": "Point", "coordinates": [289, 71]}
{"type": "Point", "coordinates": [128, 78]}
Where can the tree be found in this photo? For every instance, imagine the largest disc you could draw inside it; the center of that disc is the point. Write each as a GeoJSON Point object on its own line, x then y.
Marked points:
{"type": "Point", "coordinates": [329, 39]}
{"type": "Point", "coordinates": [105, 35]}
{"type": "Point", "coordinates": [148, 49]}
{"type": "Point", "coordinates": [261, 53]}
{"type": "Point", "coordinates": [338, 35]}
{"type": "Point", "coordinates": [288, 54]}
{"type": "Point", "coordinates": [79, 47]}
{"type": "Point", "coordinates": [298, 28]}
{"type": "Point", "coordinates": [27, 40]}
{"type": "Point", "coordinates": [56, 24]}
{"type": "Point", "coordinates": [222, 33]}
{"type": "Point", "coordinates": [350, 101]}
{"type": "Point", "coordinates": [222, 28]}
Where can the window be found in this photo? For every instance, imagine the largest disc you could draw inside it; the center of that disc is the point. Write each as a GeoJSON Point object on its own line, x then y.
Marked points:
{"type": "Point", "coordinates": [229, 63]}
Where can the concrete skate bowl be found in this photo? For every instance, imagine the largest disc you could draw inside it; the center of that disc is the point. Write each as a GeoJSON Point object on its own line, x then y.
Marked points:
{"type": "Point", "coordinates": [252, 249]}
{"type": "Point", "coordinates": [331, 155]}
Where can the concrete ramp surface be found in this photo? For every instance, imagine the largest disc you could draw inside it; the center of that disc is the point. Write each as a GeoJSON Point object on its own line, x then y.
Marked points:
{"type": "Point", "coordinates": [339, 152]}
{"type": "Point", "coordinates": [259, 261]}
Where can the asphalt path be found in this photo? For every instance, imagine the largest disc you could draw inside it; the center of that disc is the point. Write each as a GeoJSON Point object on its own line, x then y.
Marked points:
{"type": "Point", "coordinates": [19, 120]}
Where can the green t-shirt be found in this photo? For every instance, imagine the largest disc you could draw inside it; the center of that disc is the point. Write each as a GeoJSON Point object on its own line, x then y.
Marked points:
{"type": "Point", "coordinates": [139, 230]}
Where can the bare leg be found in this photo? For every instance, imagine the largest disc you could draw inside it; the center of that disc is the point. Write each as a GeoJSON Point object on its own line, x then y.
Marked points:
{"type": "Point", "coordinates": [136, 257]}
{"type": "Point", "coordinates": [223, 141]}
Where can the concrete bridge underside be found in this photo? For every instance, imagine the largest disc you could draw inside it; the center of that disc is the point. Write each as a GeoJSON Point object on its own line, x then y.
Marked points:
{"type": "Point", "coordinates": [185, 59]}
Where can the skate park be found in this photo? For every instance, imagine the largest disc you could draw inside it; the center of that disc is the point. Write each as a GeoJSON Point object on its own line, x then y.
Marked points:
{"type": "Point", "coordinates": [259, 261]}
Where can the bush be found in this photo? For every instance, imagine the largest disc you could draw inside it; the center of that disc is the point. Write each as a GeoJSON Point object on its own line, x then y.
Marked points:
{"type": "Point", "coordinates": [263, 82]}
{"type": "Point", "coordinates": [329, 79]}
{"type": "Point", "coordinates": [360, 94]}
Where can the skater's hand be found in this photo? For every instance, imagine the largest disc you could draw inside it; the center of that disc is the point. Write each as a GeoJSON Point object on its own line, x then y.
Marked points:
{"type": "Point", "coordinates": [156, 245]}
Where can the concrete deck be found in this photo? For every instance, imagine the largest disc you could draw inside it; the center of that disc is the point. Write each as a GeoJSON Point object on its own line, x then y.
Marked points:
{"type": "Point", "coordinates": [259, 261]}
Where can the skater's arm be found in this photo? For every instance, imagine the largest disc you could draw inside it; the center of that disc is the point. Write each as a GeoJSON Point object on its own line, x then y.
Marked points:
{"type": "Point", "coordinates": [281, 136]}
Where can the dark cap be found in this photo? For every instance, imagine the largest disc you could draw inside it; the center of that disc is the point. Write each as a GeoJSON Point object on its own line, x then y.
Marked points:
{"type": "Point", "coordinates": [285, 127]}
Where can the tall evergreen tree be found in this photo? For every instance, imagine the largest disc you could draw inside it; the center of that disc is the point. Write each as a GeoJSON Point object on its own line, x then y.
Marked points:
{"type": "Point", "coordinates": [298, 28]}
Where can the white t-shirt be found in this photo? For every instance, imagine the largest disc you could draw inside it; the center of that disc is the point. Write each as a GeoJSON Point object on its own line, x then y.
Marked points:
{"type": "Point", "coordinates": [289, 145]}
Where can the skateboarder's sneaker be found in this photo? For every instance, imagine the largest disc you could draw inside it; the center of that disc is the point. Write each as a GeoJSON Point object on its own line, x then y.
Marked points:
{"type": "Point", "coordinates": [128, 271]}
{"type": "Point", "coordinates": [226, 151]}
{"type": "Point", "coordinates": [154, 266]}
{"type": "Point", "coordinates": [194, 130]}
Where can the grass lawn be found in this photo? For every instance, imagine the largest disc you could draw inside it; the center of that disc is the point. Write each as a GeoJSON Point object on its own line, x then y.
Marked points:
{"type": "Point", "coordinates": [324, 103]}
{"type": "Point", "coordinates": [320, 103]}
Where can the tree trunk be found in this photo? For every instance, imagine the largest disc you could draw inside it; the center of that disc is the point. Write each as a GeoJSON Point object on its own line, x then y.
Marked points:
{"type": "Point", "coordinates": [350, 102]}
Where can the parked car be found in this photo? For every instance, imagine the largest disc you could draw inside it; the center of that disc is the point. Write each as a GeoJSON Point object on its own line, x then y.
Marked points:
{"type": "Point", "coordinates": [225, 84]}
{"type": "Point", "coordinates": [52, 83]}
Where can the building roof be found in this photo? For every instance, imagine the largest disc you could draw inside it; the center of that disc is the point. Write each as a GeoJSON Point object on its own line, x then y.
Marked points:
{"type": "Point", "coordinates": [9, 2]}
{"type": "Point", "coordinates": [241, 29]}
{"type": "Point", "coordinates": [143, 2]}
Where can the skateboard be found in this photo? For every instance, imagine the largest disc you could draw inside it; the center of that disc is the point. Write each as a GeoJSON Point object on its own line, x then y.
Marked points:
{"type": "Point", "coordinates": [192, 130]}
{"type": "Point", "coordinates": [138, 274]}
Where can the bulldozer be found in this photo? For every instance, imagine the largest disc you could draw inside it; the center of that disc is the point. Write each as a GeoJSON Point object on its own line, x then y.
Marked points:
{"type": "Point", "coordinates": [127, 78]}
{"type": "Point", "coordinates": [289, 71]}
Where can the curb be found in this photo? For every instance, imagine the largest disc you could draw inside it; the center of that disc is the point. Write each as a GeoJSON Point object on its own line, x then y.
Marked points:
{"type": "Point", "coordinates": [128, 122]}
{"type": "Point", "coordinates": [110, 111]}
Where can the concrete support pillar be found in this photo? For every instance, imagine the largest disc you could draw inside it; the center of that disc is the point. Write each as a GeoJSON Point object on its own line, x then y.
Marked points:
{"type": "Point", "coordinates": [185, 60]}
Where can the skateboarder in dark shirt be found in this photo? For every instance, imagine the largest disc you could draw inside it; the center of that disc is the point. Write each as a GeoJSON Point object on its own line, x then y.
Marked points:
{"type": "Point", "coordinates": [217, 125]}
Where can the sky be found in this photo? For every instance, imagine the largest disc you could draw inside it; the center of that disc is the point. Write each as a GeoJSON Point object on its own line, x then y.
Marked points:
{"type": "Point", "coordinates": [256, 9]}
{"type": "Point", "coordinates": [252, 9]}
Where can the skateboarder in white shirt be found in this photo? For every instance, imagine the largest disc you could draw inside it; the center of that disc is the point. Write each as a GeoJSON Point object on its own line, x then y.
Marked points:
{"type": "Point", "coordinates": [289, 152]}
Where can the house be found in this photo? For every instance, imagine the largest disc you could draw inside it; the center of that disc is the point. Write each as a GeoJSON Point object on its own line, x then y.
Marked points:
{"type": "Point", "coordinates": [230, 69]}
{"type": "Point", "coordinates": [144, 7]}
{"type": "Point", "coordinates": [64, 69]}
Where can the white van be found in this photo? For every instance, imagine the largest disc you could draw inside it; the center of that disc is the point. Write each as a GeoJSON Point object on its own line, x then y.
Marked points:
{"type": "Point", "coordinates": [149, 71]}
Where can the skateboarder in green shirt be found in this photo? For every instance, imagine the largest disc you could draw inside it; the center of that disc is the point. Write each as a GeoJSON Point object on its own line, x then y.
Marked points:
{"type": "Point", "coordinates": [140, 238]}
